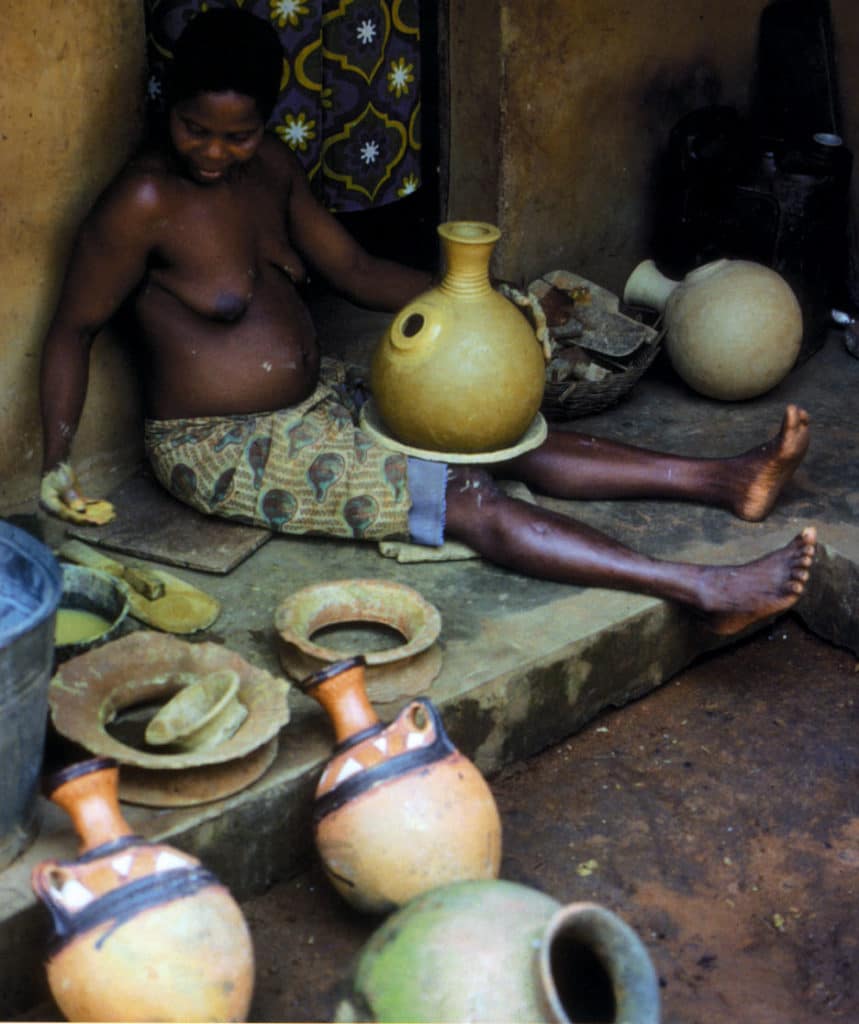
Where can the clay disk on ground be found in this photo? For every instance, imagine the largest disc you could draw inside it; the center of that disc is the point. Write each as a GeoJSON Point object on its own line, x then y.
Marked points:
{"type": "Point", "coordinates": [401, 671]}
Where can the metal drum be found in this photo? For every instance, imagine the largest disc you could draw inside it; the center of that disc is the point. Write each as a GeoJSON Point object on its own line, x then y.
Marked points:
{"type": "Point", "coordinates": [30, 589]}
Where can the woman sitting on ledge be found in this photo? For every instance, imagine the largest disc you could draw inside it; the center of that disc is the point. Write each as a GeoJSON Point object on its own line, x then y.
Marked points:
{"type": "Point", "coordinates": [204, 238]}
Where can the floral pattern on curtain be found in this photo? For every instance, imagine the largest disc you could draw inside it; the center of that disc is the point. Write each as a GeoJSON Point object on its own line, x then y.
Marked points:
{"type": "Point", "coordinates": [349, 105]}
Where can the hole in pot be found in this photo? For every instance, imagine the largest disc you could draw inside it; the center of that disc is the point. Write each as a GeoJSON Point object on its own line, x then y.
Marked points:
{"type": "Point", "coordinates": [358, 637]}
{"type": "Point", "coordinates": [420, 718]}
{"type": "Point", "coordinates": [582, 983]}
{"type": "Point", "coordinates": [412, 325]}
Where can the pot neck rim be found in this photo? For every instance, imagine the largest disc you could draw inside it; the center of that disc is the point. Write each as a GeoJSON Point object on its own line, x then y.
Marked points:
{"type": "Point", "coordinates": [75, 771]}
{"type": "Point", "coordinates": [337, 668]}
{"type": "Point", "coordinates": [586, 940]}
{"type": "Point", "coordinates": [469, 232]}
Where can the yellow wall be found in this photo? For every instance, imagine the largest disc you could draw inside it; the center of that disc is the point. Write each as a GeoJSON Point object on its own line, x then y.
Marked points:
{"type": "Point", "coordinates": [70, 105]}
{"type": "Point", "coordinates": [560, 109]}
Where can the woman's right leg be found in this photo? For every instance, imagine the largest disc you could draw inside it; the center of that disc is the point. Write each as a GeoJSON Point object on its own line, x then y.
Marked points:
{"type": "Point", "coordinates": [541, 543]}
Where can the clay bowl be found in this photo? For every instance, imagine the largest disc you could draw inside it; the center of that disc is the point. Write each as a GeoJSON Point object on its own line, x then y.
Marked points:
{"type": "Point", "coordinates": [94, 592]}
{"type": "Point", "coordinates": [403, 670]}
{"type": "Point", "coordinates": [203, 713]}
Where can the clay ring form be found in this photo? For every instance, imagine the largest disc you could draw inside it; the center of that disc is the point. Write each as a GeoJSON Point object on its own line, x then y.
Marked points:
{"type": "Point", "coordinates": [400, 671]}
{"type": "Point", "coordinates": [89, 692]}
{"type": "Point", "coordinates": [534, 436]}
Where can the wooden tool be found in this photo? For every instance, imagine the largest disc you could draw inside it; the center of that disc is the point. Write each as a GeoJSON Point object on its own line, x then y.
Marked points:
{"type": "Point", "coordinates": [155, 597]}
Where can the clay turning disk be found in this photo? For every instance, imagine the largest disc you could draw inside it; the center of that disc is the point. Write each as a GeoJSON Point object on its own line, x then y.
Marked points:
{"type": "Point", "coordinates": [191, 786]}
{"type": "Point", "coordinates": [401, 671]}
{"type": "Point", "coordinates": [533, 437]}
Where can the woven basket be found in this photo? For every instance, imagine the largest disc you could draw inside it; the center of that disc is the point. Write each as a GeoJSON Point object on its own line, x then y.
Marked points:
{"type": "Point", "coordinates": [573, 397]}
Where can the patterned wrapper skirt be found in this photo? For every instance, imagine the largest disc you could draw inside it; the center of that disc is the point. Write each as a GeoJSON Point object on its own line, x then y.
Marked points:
{"type": "Point", "coordinates": [305, 469]}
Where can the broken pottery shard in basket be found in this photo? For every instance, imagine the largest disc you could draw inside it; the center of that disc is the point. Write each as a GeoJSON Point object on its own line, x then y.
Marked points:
{"type": "Point", "coordinates": [592, 317]}
{"type": "Point", "coordinates": [611, 334]}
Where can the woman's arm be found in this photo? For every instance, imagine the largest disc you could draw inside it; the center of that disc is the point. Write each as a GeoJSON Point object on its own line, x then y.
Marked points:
{"type": "Point", "coordinates": [108, 261]}
{"type": "Point", "coordinates": [328, 246]}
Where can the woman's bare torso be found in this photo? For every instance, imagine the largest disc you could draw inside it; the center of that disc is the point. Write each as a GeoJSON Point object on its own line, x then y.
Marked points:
{"type": "Point", "coordinates": [222, 326]}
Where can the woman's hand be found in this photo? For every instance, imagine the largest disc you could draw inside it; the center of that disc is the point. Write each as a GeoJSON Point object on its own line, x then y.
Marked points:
{"type": "Point", "coordinates": [60, 494]}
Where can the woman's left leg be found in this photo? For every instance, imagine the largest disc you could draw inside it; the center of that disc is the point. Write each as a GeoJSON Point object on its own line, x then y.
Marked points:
{"type": "Point", "coordinates": [579, 466]}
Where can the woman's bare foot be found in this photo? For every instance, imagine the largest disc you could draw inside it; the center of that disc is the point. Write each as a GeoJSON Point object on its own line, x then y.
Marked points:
{"type": "Point", "coordinates": [759, 475]}
{"type": "Point", "coordinates": [738, 595]}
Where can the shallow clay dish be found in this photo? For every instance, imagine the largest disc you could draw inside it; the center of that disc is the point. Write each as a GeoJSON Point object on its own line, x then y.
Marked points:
{"type": "Point", "coordinates": [205, 711]}
{"type": "Point", "coordinates": [404, 670]}
{"type": "Point", "coordinates": [533, 437]}
{"type": "Point", "coordinates": [89, 691]}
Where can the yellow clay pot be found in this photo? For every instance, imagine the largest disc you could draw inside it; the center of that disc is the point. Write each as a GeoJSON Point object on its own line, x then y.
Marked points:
{"type": "Point", "coordinates": [460, 369]}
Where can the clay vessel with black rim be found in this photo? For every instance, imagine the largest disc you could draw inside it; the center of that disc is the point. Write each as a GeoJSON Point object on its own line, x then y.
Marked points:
{"type": "Point", "coordinates": [142, 931]}
{"type": "Point", "coordinates": [398, 809]}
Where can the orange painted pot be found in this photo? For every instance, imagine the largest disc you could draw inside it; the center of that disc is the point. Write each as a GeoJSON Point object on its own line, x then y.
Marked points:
{"type": "Point", "coordinates": [142, 931]}
{"type": "Point", "coordinates": [399, 810]}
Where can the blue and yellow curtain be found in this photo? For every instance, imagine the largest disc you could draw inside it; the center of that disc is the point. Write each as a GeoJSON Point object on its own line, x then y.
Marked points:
{"type": "Point", "coordinates": [349, 104]}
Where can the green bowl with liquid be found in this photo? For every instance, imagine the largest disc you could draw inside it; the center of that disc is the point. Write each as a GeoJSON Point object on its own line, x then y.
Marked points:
{"type": "Point", "coordinates": [92, 610]}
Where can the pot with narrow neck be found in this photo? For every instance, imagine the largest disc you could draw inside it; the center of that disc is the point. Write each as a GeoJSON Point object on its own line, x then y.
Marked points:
{"type": "Point", "coordinates": [499, 951]}
{"type": "Point", "coordinates": [398, 808]}
{"type": "Point", "coordinates": [733, 327]}
{"type": "Point", "coordinates": [459, 369]}
{"type": "Point", "coordinates": [142, 931]}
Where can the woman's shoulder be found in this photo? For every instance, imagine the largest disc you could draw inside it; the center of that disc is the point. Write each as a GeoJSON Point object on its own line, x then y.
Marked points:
{"type": "Point", "coordinates": [143, 186]}
{"type": "Point", "coordinates": [134, 204]}
{"type": "Point", "coordinates": [279, 160]}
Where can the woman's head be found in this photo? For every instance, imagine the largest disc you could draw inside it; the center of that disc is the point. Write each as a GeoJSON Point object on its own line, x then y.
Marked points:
{"type": "Point", "coordinates": [227, 50]}
{"type": "Point", "coordinates": [222, 86]}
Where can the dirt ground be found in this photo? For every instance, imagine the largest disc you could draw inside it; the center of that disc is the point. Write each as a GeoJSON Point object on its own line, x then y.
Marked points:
{"type": "Point", "coordinates": [718, 816]}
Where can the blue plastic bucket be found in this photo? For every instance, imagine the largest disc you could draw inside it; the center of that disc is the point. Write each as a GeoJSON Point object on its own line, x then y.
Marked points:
{"type": "Point", "coordinates": [30, 589]}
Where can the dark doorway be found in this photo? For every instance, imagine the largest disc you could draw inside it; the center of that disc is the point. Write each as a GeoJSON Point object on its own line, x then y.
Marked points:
{"type": "Point", "coordinates": [406, 230]}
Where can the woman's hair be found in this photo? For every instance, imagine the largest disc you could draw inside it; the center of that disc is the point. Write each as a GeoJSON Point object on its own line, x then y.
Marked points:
{"type": "Point", "coordinates": [227, 50]}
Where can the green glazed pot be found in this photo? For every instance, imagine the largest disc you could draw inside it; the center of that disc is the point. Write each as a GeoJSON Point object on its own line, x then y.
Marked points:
{"type": "Point", "coordinates": [499, 951]}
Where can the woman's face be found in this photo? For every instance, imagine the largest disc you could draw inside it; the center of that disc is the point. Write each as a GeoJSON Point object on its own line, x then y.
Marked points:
{"type": "Point", "coordinates": [214, 133]}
